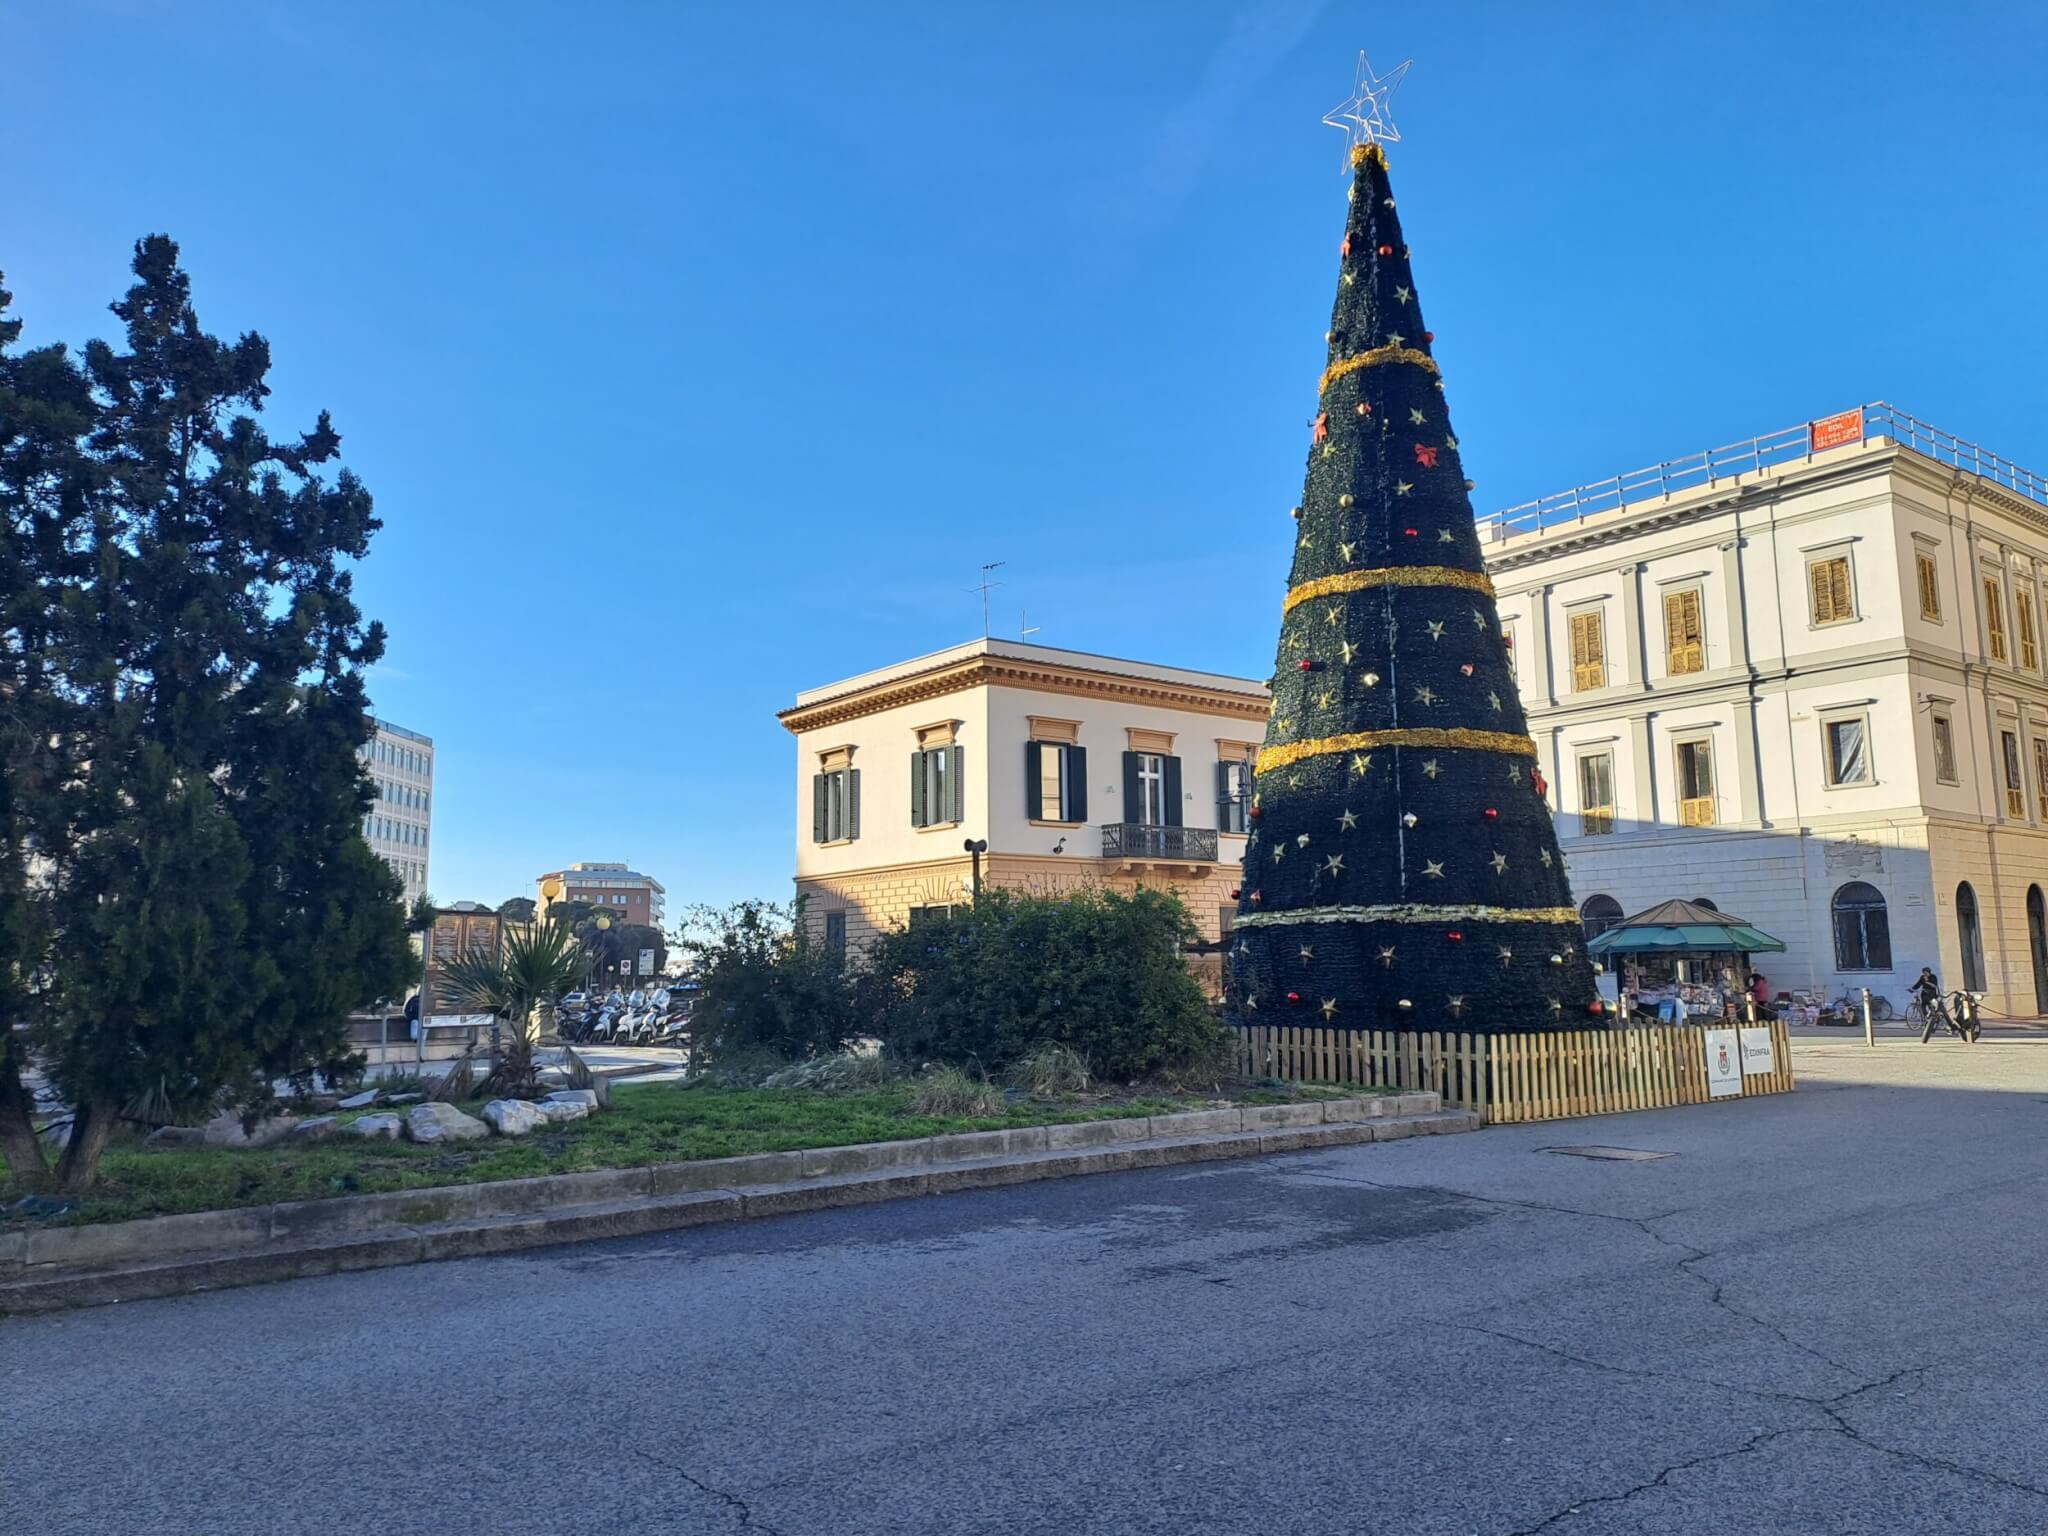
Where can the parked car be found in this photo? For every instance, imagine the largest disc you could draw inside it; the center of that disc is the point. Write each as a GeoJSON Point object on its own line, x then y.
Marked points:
{"type": "Point", "coordinates": [575, 999]}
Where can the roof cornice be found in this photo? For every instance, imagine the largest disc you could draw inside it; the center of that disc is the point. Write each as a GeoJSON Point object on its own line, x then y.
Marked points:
{"type": "Point", "coordinates": [1013, 672]}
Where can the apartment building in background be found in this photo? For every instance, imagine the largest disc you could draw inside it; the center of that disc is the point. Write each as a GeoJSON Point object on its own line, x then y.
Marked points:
{"type": "Point", "coordinates": [1075, 769]}
{"type": "Point", "coordinates": [400, 823]}
{"type": "Point", "coordinates": [1802, 678]}
{"type": "Point", "coordinates": [627, 894]}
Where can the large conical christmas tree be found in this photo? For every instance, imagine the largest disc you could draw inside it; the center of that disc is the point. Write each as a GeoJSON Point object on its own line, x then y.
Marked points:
{"type": "Point", "coordinates": [1402, 872]}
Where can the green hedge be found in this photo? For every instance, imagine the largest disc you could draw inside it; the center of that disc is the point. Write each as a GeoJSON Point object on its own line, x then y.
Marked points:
{"type": "Point", "coordinates": [1102, 973]}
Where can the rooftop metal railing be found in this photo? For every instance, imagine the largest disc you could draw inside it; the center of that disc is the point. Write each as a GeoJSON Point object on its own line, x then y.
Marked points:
{"type": "Point", "coordinates": [1860, 424]}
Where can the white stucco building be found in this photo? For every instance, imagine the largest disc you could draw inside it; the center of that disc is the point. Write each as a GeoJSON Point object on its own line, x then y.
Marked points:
{"type": "Point", "coordinates": [1075, 769]}
{"type": "Point", "coordinates": [1802, 678]}
{"type": "Point", "coordinates": [400, 823]}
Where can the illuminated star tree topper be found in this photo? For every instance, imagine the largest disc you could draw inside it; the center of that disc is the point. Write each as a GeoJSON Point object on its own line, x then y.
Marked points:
{"type": "Point", "coordinates": [1363, 116]}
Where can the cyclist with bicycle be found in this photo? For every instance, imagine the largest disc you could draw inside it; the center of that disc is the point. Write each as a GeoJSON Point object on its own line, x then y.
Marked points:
{"type": "Point", "coordinates": [1926, 989]}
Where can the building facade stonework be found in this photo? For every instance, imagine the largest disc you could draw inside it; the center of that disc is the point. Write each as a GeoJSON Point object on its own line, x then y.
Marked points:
{"type": "Point", "coordinates": [1812, 691]}
{"type": "Point", "coordinates": [1077, 771]}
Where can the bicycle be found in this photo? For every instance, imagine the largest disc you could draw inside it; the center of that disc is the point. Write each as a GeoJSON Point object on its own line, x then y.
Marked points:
{"type": "Point", "coordinates": [1957, 1013]}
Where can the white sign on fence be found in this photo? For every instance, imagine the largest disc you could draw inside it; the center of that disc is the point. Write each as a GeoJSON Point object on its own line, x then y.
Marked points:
{"type": "Point", "coordinates": [1756, 1051]}
{"type": "Point", "coordinates": [1724, 1066]}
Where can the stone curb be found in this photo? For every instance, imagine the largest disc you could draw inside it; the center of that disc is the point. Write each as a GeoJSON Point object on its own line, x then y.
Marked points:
{"type": "Point", "coordinates": [62, 1267]}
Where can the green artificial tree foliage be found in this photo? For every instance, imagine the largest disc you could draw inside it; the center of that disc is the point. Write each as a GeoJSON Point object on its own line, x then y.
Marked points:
{"type": "Point", "coordinates": [1401, 870]}
{"type": "Point", "coordinates": [181, 629]}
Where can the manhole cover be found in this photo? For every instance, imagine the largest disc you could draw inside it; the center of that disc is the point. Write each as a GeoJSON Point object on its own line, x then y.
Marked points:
{"type": "Point", "coordinates": [1609, 1154]}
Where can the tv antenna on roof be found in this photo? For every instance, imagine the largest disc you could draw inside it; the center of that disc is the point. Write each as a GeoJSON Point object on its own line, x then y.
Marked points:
{"type": "Point", "coordinates": [1025, 629]}
{"type": "Point", "coordinates": [986, 586]}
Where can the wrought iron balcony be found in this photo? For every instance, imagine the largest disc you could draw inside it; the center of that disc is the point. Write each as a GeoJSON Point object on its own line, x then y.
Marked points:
{"type": "Point", "coordinates": [1134, 840]}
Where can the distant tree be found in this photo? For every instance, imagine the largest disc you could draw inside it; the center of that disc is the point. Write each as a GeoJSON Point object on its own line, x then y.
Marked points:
{"type": "Point", "coordinates": [184, 660]}
{"type": "Point", "coordinates": [520, 909]}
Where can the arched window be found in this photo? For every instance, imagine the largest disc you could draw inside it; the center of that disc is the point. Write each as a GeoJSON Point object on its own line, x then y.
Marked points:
{"type": "Point", "coordinates": [2037, 945]}
{"type": "Point", "coordinates": [1863, 929]}
{"type": "Point", "coordinates": [1599, 914]}
{"type": "Point", "coordinates": [1970, 938]}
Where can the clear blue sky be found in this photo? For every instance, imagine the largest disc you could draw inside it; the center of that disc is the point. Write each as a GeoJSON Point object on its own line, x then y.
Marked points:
{"type": "Point", "coordinates": [698, 354]}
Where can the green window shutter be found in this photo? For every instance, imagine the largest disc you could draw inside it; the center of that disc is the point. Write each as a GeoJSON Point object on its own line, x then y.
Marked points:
{"type": "Point", "coordinates": [1134, 797]}
{"type": "Point", "coordinates": [1172, 791]}
{"type": "Point", "coordinates": [852, 808]}
{"type": "Point", "coordinates": [817, 808]}
{"type": "Point", "coordinates": [956, 784]}
{"type": "Point", "coordinates": [1034, 779]}
{"type": "Point", "coordinates": [1223, 802]}
{"type": "Point", "coordinates": [1074, 775]}
{"type": "Point", "coordinates": [917, 815]}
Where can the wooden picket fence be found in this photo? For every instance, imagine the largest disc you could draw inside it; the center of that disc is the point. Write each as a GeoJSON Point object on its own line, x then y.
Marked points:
{"type": "Point", "coordinates": [1512, 1078]}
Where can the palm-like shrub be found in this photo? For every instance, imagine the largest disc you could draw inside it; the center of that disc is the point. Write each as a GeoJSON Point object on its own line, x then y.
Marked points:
{"type": "Point", "coordinates": [534, 966]}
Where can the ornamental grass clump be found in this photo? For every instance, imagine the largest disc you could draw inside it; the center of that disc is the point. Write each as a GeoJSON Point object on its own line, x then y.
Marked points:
{"type": "Point", "coordinates": [948, 1090]}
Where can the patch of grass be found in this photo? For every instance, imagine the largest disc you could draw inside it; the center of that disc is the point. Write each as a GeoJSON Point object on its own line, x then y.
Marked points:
{"type": "Point", "coordinates": [648, 1123]}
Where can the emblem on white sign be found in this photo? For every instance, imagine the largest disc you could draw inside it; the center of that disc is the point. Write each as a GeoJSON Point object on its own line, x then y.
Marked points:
{"type": "Point", "coordinates": [1724, 1066]}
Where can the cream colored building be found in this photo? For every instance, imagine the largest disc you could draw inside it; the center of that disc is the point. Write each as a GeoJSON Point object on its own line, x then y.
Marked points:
{"type": "Point", "coordinates": [400, 824]}
{"type": "Point", "coordinates": [1075, 769]}
{"type": "Point", "coordinates": [1802, 678]}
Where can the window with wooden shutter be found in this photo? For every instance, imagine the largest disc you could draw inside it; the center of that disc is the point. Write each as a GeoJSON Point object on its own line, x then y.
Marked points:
{"type": "Point", "coordinates": [1684, 645]}
{"type": "Point", "coordinates": [2041, 777]}
{"type": "Point", "coordinates": [1828, 581]}
{"type": "Point", "coordinates": [1596, 794]}
{"type": "Point", "coordinates": [1994, 617]}
{"type": "Point", "coordinates": [1944, 750]}
{"type": "Point", "coordinates": [1930, 586]}
{"type": "Point", "coordinates": [2015, 792]}
{"type": "Point", "coordinates": [1589, 652]}
{"type": "Point", "coordinates": [2023, 627]}
{"type": "Point", "coordinates": [1696, 784]}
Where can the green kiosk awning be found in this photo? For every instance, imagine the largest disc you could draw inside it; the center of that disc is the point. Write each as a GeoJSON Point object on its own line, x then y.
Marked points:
{"type": "Point", "coordinates": [1674, 927]}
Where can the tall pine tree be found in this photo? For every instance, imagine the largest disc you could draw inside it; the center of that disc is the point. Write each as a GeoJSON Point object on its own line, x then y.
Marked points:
{"type": "Point", "coordinates": [1401, 871]}
{"type": "Point", "coordinates": [205, 909]}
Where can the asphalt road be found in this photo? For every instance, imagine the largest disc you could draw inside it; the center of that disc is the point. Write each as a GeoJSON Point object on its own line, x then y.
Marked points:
{"type": "Point", "coordinates": [1819, 1314]}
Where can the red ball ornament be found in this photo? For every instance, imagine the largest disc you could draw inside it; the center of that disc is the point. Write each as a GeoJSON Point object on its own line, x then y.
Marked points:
{"type": "Point", "coordinates": [1233, 893]}
{"type": "Point", "coordinates": [1455, 937]}
{"type": "Point", "coordinates": [1490, 814]}
{"type": "Point", "coordinates": [1595, 1007]}
{"type": "Point", "coordinates": [1386, 250]}
{"type": "Point", "coordinates": [1294, 997]}
{"type": "Point", "coordinates": [1255, 813]}
{"type": "Point", "coordinates": [1408, 533]}
{"type": "Point", "coordinates": [1306, 665]}
{"type": "Point", "coordinates": [1429, 335]}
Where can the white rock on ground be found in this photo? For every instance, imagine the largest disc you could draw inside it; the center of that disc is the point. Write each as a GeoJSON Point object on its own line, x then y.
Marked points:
{"type": "Point", "coordinates": [584, 1096]}
{"type": "Point", "coordinates": [512, 1117]}
{"type": "Point", "coordinates": [442, 1122]}
{"type": "Point", "coordinates": [560, 1111]}
{"type": "Point", "coordinates": [317, 1129]}
{"type": "Point", "coordinates": [361, 1100]}
{"type": "Point", "coordinates": [384, 1127]}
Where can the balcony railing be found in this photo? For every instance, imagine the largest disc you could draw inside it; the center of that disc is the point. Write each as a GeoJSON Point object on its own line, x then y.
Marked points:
{"type": "Point", "coordinates": [1133, 840]}
{"type": "Point", "coordinates": [1879, 420]}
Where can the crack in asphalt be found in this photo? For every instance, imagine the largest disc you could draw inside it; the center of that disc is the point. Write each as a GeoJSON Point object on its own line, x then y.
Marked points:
{"type": "Point", "coordinates": [1755, 1442]}
{"type": "Point", "coordinates": [731, 1500]}
{"type": "Point", "coordinates": [1830, 1407]}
